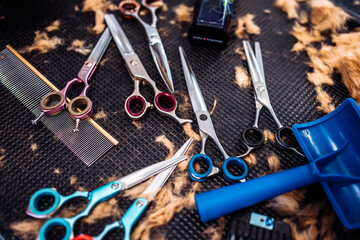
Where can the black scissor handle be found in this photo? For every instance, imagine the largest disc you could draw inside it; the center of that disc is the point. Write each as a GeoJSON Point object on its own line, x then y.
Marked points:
{"type": "Point", "coordinates": [286, 138]}
{"type": "Point", "coordinates": [253, 137]}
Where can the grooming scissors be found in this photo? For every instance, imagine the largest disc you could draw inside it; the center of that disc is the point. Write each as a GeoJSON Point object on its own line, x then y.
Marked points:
{"type": "Point", "coordinates": [98, 195]}
{"type": "Point", "coordinates": [130, 8]}
{"type": "Point", "coordinates": [165, 103]}
{"type": "Point", "coordinates": [135, 211]}
{"type": "Point", "coordinates": [253, 137]}
{"type": "Point", "coordinates": [207, 130]}
{"type": "Point", "coordinates": [81, 106]}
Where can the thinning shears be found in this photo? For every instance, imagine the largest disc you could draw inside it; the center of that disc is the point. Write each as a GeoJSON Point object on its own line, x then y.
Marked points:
{"type": "Point", "coordinates": [81, 106]}
{"type": "Point", "coordinates": [165, 103]}
{"type": "Point", "coordinates": [207, 129]}
{"type": "Point", "coordinates": [253, 137]}
{"type": "Point", "coordinates": [135, 211]}
{"type": "Point", "coordinates": [130, 8]}
{"type": "Point", "coordinates": [101, 194]}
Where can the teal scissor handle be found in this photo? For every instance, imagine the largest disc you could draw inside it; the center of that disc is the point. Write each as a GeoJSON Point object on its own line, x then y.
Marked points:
{"type": "Point", "coordinates": [98, 195]}
{"type": "Point", "coordinates": [213, 170]}
{"type": "Point", "coordinates": [129, 219]}
{"type": "Point", "coordinates": [132, 215]}
{"type": "Point", "coordinates": [59, 200]}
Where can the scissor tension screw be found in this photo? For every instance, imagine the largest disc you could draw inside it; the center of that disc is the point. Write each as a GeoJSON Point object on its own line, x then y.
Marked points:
{"type": "Point", "coordinates": [139, 203]}
{"type": "Point", "coordinates": [203, 117]}
{"type": "Point", "coordinates": [133, 62]}
{"type": "Point", "coordinates": [115, 186]}
{"type": "Point", "coordinates": [88, 64]}
{"type": "Point", "coordinates": [261, 88]}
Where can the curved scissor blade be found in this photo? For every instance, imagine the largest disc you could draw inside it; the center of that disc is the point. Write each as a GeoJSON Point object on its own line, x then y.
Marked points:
{"type": "Point", "coordinates": [160, 179]}
{"type": "Point", "coordinates": [197, 100]}
{"type": "Point", "coordinates": [158, 53]}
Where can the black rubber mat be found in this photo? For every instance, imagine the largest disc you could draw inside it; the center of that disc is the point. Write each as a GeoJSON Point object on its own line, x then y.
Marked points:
{"type": "Point", "coordinates": [26, 171]}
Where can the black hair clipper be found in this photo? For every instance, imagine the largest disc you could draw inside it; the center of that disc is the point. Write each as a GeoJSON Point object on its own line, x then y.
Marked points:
{"type": "Point", "coordinates": [254, 226]}
{"type": "Point", "coordinates": [211, 22]}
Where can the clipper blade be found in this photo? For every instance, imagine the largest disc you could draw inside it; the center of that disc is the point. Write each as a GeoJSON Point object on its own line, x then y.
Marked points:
{"type": "Point", "coordinates": [29, 86]}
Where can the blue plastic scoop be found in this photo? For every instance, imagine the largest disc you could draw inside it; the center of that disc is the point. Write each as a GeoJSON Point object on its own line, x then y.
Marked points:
{"type": "Point", "coordinates": [332, 146]}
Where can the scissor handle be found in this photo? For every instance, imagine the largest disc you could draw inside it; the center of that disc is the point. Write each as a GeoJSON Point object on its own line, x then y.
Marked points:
{"type": "Point", "coordinates": [129, 7]}
{"type": "Point", "coordinates": [286, 138]}
{"type": "Point", "coordinates": [136, 100]}
{"type": "Point", "coordinates": [80, 107]}
{"type": "Point", "coordinates": [53, 103]}
{"type": "Point", "coordinates": [194, 175]}
{"type": "Point", "coordinates": [237, 162]}
{"type": "Point", "coordinates": [253, 137]}
{"type": "Point", "coordinates": [152, 3]}
{"type": "Point", "coordinates": [165, 102]}
{"type": "Point", "coordinates": [59, 200]}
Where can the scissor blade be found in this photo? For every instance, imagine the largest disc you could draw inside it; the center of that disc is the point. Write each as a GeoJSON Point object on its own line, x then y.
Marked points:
{"type": "Point", "coordinates": [162, 64]}
{"type": "Point", "coordinates": [197, 100]}
{"type": "Point", "coordinates": [100, 47]}
{"type": "Point", "coordinates": [122, 42]}
{"type": "Point", "coordinates": [160, 179]}
{"type": "Point", "coordinates": [259, 59]}
{"type": "Point", "coordinates": [255, 72]}
{"type": "Point", "coordinates": [147, 172]}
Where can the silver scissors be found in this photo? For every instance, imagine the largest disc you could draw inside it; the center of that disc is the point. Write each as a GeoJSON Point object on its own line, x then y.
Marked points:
{"type": "Point", "coordinates": [207, 129]}
{"type": "Point", "coordinates": [80, 107]}
{"type": "Point", "coordinates": [135, 211]}
{"type": "Point", "coordinates": [101, 194]}
{"type": "Point", "coordinates": [130, 8]}
{"type": "Point", "coordinates": [136, 105]}
{"type": "Point", "coordinates": [253, 137]}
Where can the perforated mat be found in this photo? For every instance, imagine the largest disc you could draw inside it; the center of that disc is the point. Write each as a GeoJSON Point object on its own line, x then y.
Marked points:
{"type": "Point", "coordinates": [26, 169]}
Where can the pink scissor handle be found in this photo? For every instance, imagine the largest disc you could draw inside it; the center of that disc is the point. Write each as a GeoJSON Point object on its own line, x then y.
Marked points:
{"type": "Point", "coordinates": [54, 102]}
{"type": "Point", "coordinates": [165, 102]}
{"type": "Point", "coordinates": [133, 101]}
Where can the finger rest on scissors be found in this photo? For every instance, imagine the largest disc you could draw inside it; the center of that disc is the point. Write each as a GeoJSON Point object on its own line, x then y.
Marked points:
{"type": "Point", "coordinates": [59, 200]}
{"type": "Point", "coordinates": [200, 177]}
{"type": "Point", "coordinates": [237, 162]}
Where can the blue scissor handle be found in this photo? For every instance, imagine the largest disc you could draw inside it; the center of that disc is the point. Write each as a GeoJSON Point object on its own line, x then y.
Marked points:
{"type": "Point", "coordinates": [132, 215]}
{"type": "Point", "coordinates": [59, 200]}
{"type": "Point", "coordinates": [98, 195]}
{"type": "Point", "coordinates": [238, 162]}
{"type": "Point", "coordinates": [199, 177]}
{"type": "Point", "coordinates": [128, 220]}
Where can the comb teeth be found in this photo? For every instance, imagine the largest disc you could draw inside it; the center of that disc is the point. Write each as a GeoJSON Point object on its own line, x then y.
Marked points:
{"type": "Point", "coordinates": [89, 144]}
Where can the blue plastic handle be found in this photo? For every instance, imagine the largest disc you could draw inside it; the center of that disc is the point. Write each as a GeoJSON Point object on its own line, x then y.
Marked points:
{"type": "Point", "coordinates": [238, 162]}
{"type": "Point", "coordinates": [132, 215]}
{"type": "Point", "coordinates": [222, 201]}
{"type": "Point", "coordinates": [98, 195]}
{"type": "Point", "coordinates": [59, 200]}
{"type": "Point", "coordinates": [200, 177]}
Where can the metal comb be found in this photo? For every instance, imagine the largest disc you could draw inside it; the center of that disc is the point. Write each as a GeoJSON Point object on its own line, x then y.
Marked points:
{"type": "Point", "coordinates": [29, 86]}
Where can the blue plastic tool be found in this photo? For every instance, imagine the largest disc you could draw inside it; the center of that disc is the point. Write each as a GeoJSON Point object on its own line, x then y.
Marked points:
{"type": "Point", "coordinates": [332, 146]}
